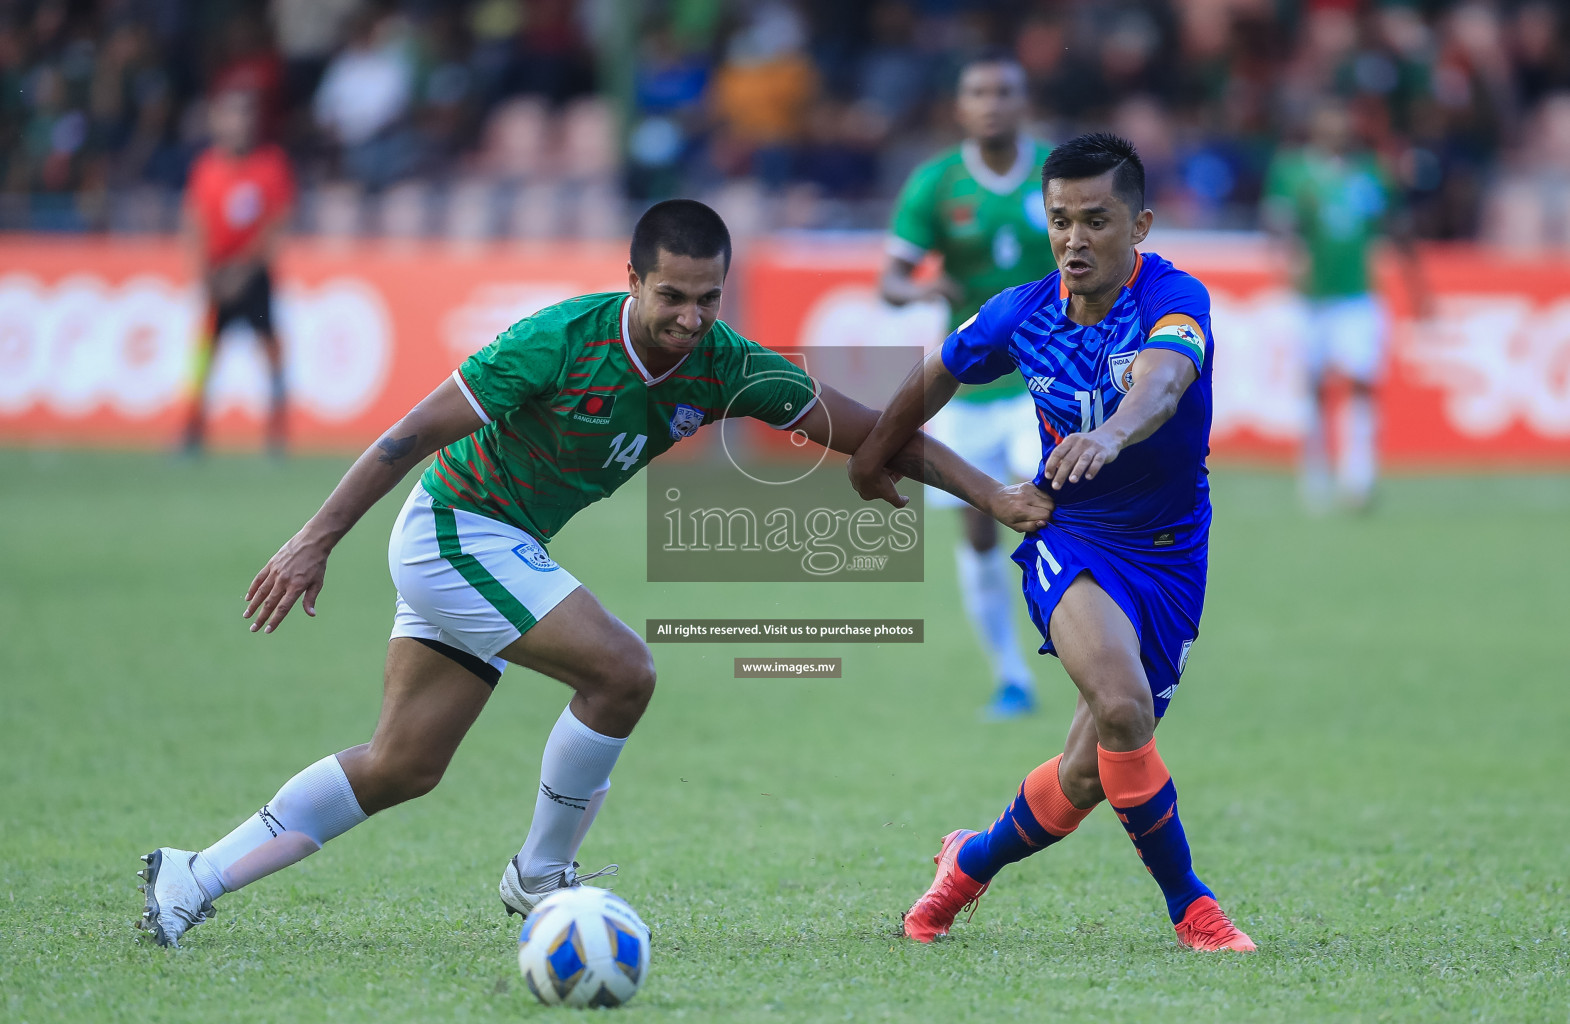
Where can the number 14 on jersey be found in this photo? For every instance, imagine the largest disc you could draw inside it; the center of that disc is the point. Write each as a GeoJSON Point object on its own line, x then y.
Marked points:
{"type": "Point", "coordinates": [628, 456]}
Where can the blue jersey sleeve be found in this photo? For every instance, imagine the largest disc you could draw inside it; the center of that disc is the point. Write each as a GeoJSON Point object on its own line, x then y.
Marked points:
{"type": "Point", "coordinates": [1177, 309]}
{"type": "Point", "coordinates": [978, 351]}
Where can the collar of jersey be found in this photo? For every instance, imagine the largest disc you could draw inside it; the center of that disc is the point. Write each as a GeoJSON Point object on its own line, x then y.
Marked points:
{"type": "Point", "coordinates": [987, 178]}
{"type": "Point", "coordinates": [632, 353]}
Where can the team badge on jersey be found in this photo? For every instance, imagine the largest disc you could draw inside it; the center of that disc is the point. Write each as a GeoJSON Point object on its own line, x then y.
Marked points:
{"type": "Point", "coordinates": [595, 409]}
{"type": "Point", "coordinates": [1121, 368]}
{"type": "Point", "coordinates": [243, 204]}
{"type": "Point", "coordinates": [532, 554]}
{"type": "Point", "coordinates": [685, 422]}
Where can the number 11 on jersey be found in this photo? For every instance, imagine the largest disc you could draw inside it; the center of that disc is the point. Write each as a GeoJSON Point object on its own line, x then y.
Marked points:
{"type": "Point", "coordinates": [1090, 412]}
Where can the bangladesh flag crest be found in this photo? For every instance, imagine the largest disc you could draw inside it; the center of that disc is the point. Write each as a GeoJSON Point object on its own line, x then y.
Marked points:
{"type": "Point", "coordinates": [595, 409]}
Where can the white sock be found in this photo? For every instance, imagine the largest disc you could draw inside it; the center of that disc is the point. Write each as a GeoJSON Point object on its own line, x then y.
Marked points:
{"type": "Point", "coordinates": [316, 805]}
{"type": "Point", "coordinates": [1357, 467]}
{"type": "Point", "coordinates": [985, 587]}
{"type": "Point", "coordinates": [574, 771]}
{"type": "Point", "coordinates": [1314, 464]}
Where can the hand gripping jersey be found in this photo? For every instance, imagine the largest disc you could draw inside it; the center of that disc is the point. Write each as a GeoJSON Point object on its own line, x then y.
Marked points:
{"type": "Point", "coordinates": [990, 229]}
{"type": "Point", "coordinates": [1155, 494]}
{"type": "Point", "coordinates": [571, 414]}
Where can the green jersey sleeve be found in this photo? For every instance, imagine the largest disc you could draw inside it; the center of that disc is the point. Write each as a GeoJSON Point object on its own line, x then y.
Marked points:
{"type": "Point", "coordinates": [914, 228]}
{"type": "Point", "coordinates": [1280, 194]}
{"type": "Point", "coordinates": [763, 384]}
{"type": "Point", "coordinates": [525, 361]}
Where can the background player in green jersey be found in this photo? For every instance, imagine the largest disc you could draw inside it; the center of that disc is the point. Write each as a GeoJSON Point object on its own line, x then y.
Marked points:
{"type": "Point", "coordinates": [1331, 203]}
{"type": "Point", "coordinates": [979, 208]}
{"type": "Point", "coordinates": [556, 413]}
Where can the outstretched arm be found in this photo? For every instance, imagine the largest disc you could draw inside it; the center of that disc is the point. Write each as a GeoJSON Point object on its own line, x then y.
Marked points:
{"type": "Point", "coordinates": [1160, 378]}
{"type": "Point", "coordinates": [299, 568]}
{"type": "Point", "coordinates": [898, 284]}
{"type": "Point", "coordinates": [926, 389]}
{"type": "Point", "coordinates": [844, 424]}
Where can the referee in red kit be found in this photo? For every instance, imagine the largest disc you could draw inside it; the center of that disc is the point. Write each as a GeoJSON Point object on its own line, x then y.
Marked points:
{"type": "Point", "coordinates": [238, 200]}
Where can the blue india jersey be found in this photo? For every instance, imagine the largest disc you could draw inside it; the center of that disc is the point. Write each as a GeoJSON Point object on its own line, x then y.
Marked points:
{"type": "Point", "coordinates": [1155, 495]}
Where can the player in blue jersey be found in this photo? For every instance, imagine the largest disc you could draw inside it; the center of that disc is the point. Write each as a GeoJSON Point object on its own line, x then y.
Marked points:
{"type": "Point", "coordinates": [1115, 348]}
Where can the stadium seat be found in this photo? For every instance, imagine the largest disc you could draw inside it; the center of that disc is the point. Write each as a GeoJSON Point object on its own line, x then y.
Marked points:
{"type": "Point", "coordinates": [339, 209]}
{"type": "Point", "coordinates": [537, 210]}
{"type": "Point", "coordinates": [405, 210]}
{"type": "Point", "coordinates": [470, 211]}
{"type": "Point", "coordinates": [518, 141]}
{"type": "Point", "coordinates": [588, 140]}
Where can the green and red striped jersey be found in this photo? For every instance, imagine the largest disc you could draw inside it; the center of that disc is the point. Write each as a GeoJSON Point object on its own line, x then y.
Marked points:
{"type": "Point", "coordinates": [571, 414]}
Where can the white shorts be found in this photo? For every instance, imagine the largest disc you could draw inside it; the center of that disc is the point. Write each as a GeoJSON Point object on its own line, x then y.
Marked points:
{"type": "Point", "coordinates": [998, 437]}
{"type": "Point", "coordinates": [1345, 335]}
{"type": "Point", "coordinates": [468, 581]}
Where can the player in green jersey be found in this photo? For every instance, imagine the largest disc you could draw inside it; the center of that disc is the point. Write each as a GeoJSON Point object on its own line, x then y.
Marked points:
{"type": "Point", "coordinates": [978, 207]}
{"type": "Point", "coordinates": [556, 413]}
{"type": "Point", "coordinates": [1331, 204]}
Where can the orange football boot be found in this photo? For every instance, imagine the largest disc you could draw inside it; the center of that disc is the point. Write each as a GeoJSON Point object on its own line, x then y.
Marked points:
{"type": "Point", "coordinates": [952, 892]}
{"type": "Point", "coordinates": [1206, 928]}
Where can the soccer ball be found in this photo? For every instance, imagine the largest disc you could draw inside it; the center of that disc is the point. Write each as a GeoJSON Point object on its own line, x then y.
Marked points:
{"type": "Point", "coordinates": [583, 946]}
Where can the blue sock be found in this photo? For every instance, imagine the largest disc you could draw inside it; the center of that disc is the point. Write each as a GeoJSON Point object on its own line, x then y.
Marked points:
{"type": "Point", "coordinates": [1153, 825]}
{"type": "Point", "coordinates": [1039, 816]}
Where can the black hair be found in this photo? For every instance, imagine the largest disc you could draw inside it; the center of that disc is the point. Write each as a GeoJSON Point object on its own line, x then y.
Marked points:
{"type": "Point", "coordinates": [681, 227]}
{"type": "Point", "coordinates": [1094, 154]}
{"type": "Point", "coordinates": [990, 55]}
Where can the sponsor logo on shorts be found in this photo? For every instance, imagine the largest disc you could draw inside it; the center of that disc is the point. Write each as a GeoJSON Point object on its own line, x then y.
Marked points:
{"type": "Point", "coordinates": [1165, 539]}
{"type": "Point", "coordinates": [530, 553]}
{"type": "Point", "coordinates": [1167, 693]}
{"type": "Point", "coordinates": [1040, 385]}
{"type": "Point", "coordinates": [1121, 369]}
{"type": "Point", "coordinates": [685, 422]}
{"type": "Point", "coordinates": [1182, 659]}
{"type": "Point", "coordinates": [595, 409]}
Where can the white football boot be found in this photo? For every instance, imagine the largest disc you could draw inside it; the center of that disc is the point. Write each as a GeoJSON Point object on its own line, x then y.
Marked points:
{"type": "Point", "coordinates": [175, 900]}
{"type": "Point", "coordinates": [521, 895]}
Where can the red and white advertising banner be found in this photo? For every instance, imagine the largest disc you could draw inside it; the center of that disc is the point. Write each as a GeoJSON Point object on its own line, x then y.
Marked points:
{"type": "Point", "coordinates": [1484, 382]}
{"type": "Point", "coordinates": [97, 338]}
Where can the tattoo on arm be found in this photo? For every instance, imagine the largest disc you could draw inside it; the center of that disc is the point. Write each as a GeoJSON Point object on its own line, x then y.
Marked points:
{"type": "Point", "coordinates": [395, 450]}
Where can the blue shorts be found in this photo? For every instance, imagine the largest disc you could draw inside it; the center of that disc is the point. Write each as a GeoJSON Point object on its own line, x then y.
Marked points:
{"type": "Point", "coordinates": [1162, 593]}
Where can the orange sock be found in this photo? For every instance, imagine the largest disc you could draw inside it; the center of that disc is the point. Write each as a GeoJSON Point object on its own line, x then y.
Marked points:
{"type": "Point", "coordinates": [1130, 777]}
{"type": "Point", "coordinates": [1043, 792]}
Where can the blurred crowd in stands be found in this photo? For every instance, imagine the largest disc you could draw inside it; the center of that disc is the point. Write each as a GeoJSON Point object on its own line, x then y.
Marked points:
{"type": "Point", "coordinates": [543, 118]}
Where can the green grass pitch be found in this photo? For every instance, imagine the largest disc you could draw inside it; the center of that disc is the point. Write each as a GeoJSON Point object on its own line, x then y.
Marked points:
{"type": "Point", "coordinates": [1371, 747]}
